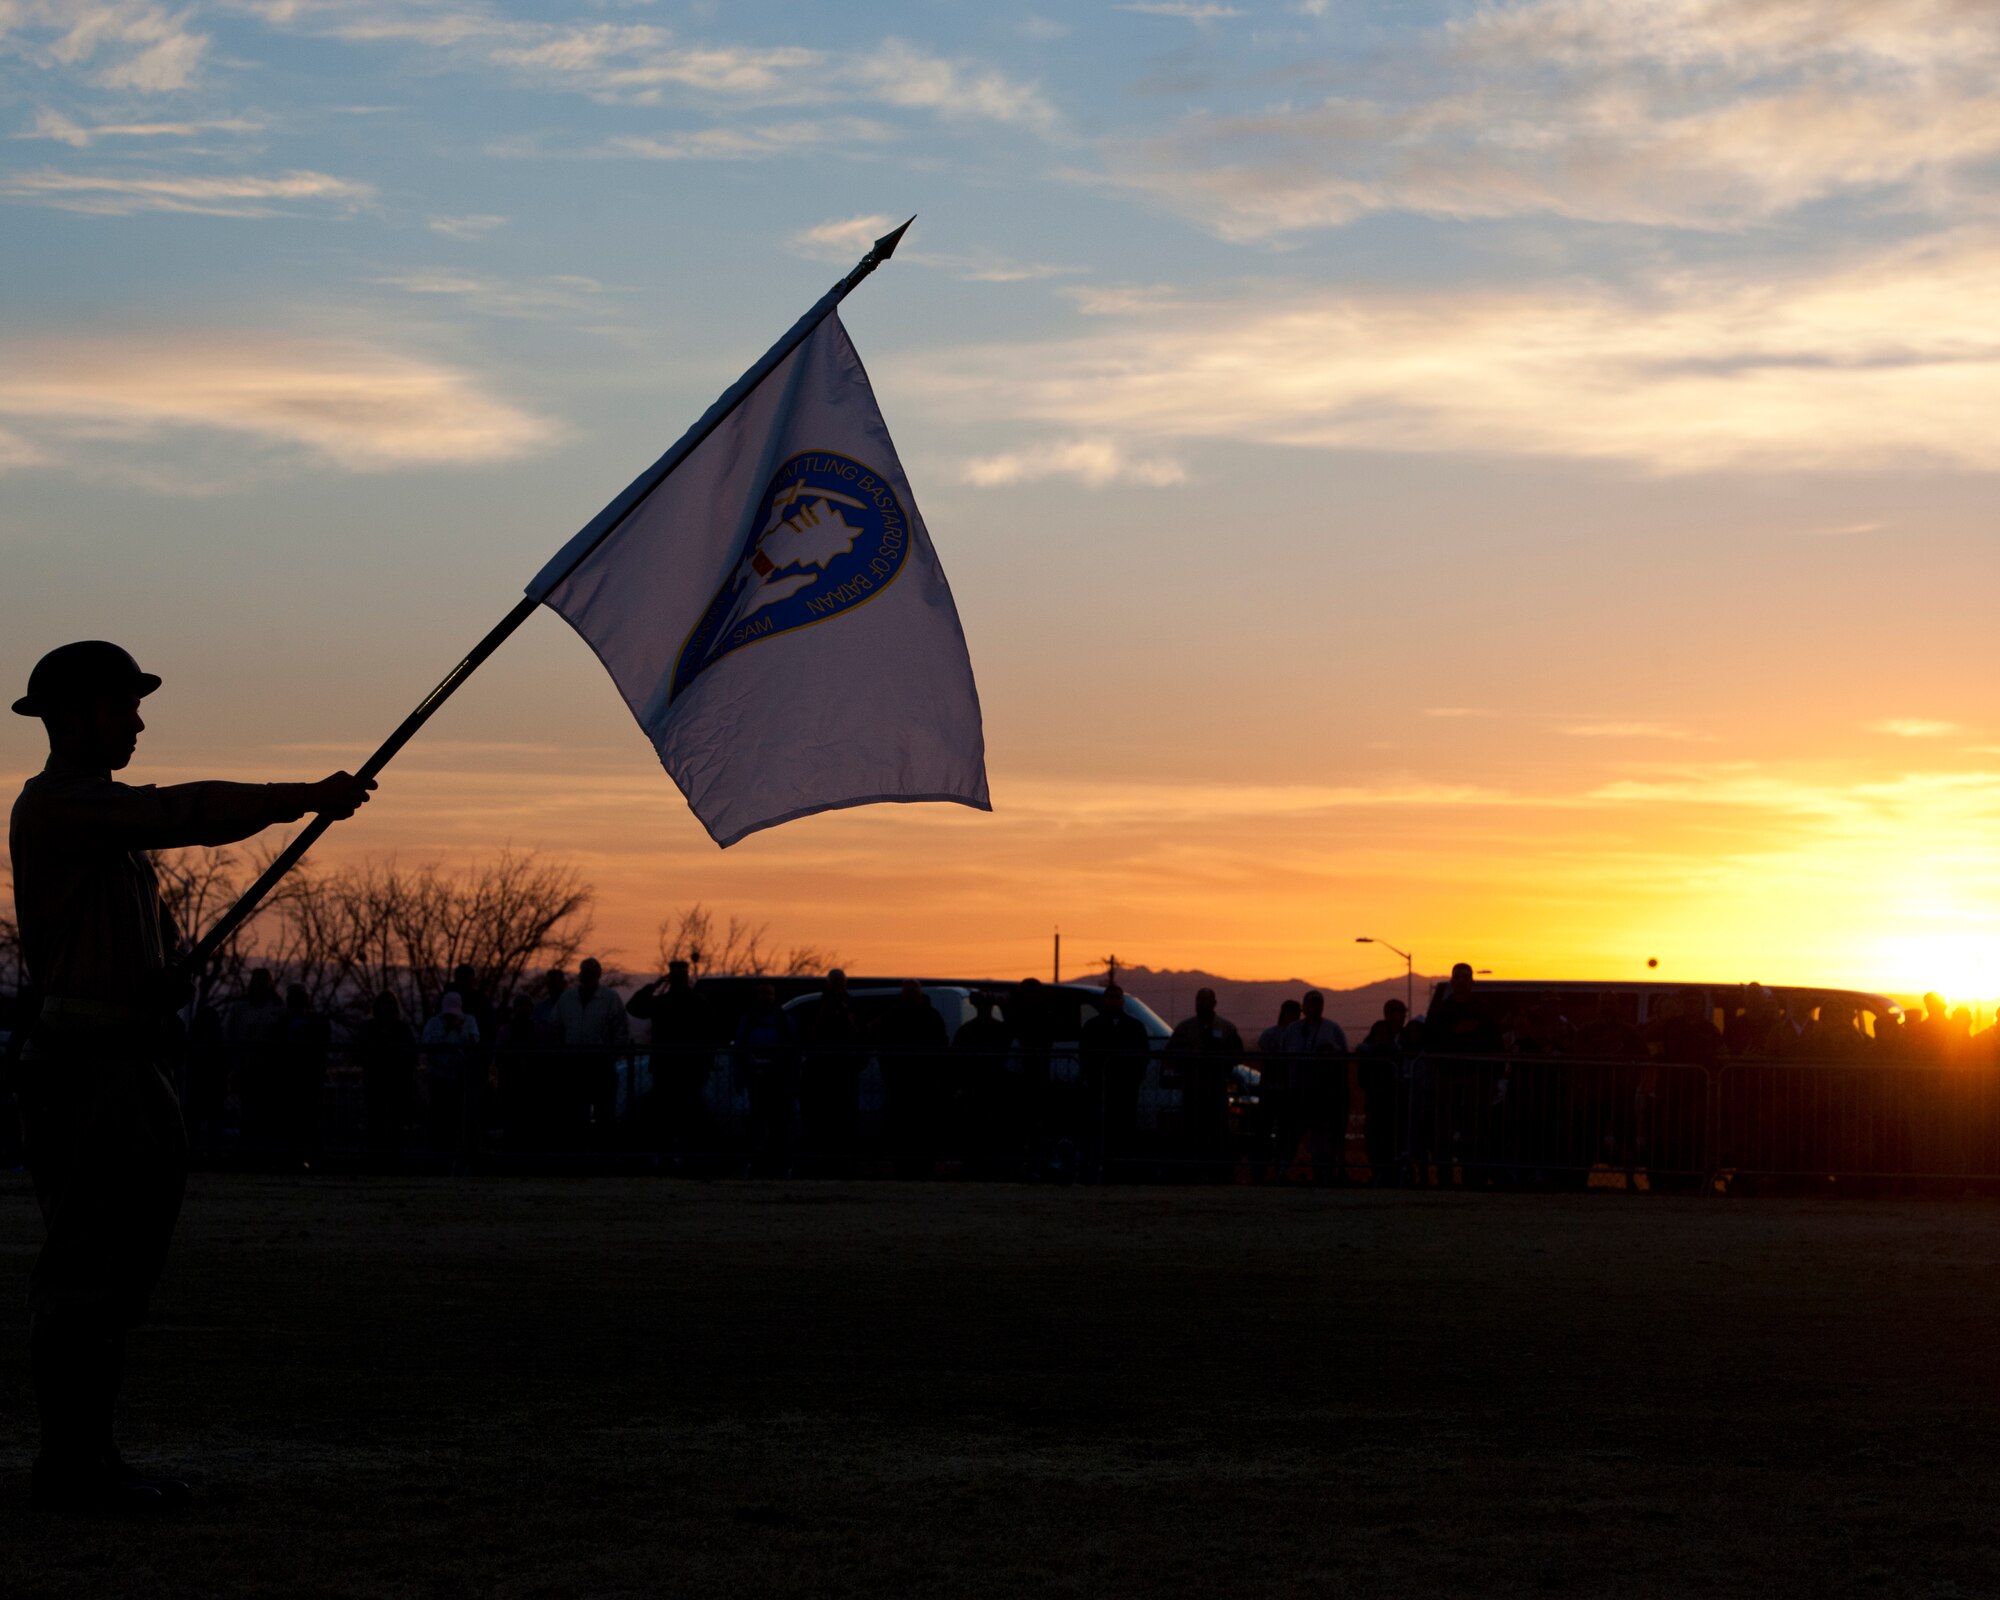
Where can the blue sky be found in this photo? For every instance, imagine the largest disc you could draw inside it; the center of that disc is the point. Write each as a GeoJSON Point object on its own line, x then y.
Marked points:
{"type": "Point", "coordinates": [1518, 472]}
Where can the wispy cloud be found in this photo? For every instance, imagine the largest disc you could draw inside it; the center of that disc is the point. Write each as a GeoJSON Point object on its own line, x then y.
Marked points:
{"type": "Point", "coordinates": [476, 226]}
{"type": "Point", "coordinates": [840, 237]}
{"type": "Point", "coordinates": [1846, 530]}
{"type": "Point", "coordinates": [121, 194]}
{"type": "Point", "coordinates": [639, 63]}
{"type": "Point", "coordinates": [1096, 463]}
{"type": "Point", "coordinates": [1881, 359]}
{"type": "Point", "coordinates": [1690, 113]}
{"type": "Point", "coordinates": [992, 268]}
{"type": "Point", "coordinates": [500, 297]}
{"type": "Point", "coordinates": [955, 90]}
{"type": "Point", "coordinates": [1124, 300]}
{"type": "Point", "coordinates": [750, 141]}
{"type": "Point", "coordinates": [131, 45]}
{"type": "Point", "coordinates": [1188, 10]}
{"type": "Point", "coordinates": [1914, 728]}
{"type": "Point", "coordinates": [54, 126]}
{"type": "Point", "coordinates": [1630, 730]}
{"type": "Point", "coordinates": [18, 452]}
{"type": "Point", "coordinates": [353, 405]}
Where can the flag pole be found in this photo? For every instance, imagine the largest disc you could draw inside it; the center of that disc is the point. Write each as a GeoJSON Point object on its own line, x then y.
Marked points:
{"type": "Point", "coordinates": [573, 555]}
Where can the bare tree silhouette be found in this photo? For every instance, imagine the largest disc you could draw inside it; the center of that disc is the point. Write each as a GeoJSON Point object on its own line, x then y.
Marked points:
{"type": "Point", "coordinates": [735, 949]}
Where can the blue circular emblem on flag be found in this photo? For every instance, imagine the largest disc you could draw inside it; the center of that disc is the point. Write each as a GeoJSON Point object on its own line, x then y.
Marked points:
{"type": "Point", "coordinates": [828, 536]}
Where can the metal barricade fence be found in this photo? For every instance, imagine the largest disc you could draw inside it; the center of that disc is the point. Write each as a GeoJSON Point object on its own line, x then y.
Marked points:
{"type": "Point", "coordinates": [1818, 1120]}
{"type": "Point", "coordinates": [1556, 1121]}
{"type": "Point", "coordinates": [1434, 1120]}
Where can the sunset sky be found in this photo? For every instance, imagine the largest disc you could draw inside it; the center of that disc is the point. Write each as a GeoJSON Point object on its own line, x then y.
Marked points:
{"type": "Point", "coordinates": [1514, 479]}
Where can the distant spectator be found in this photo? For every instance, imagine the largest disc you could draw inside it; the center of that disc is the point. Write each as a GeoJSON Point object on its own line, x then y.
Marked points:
{"type": "Point", "coordinates": [303, 1046]}
{"type": "Point", "coordinates": [1318, 1099]}
{"type": "Point", "coordinates": [1274, 1089]}
{"type": "Point", "coordinates": [1460, 1022]}
{"type": "Point", "coordinates": [521, 1063]}
{"type": "Point", "coordinates": [835, 1049]}
{"type": "Point", "coordinates": [910, 1045]}
{"type": "Point", "coordinates": [478, 1003]}
{"type": "Point", "coordinates": [1113, 1052]}
{"type": "Point", "coordinates": [1202, 1054]}
{"type": "Point", "coordinates": [1034, 1039]}
{"type": "Point", "coordinates": [1792, 1035]}
{"type": "Point", "coordinates": [988, 1087]}
{"type": "Point", "coordinates": [1460, 1093]}
{"type": "Point", "coordinates": [1269, 1042]}
{"type": "Point", "coordinates": [1752, 1019]}
{"type": "Point", "coordinates": [1958, 1042]}
{"type": "Point", "coordinates": [1679, 1033]}
{"type": "Point", "coordinates": [450, 1043]}
{"type": "Point", "coordinates": [592, 1031]}
{"type": "Point", "coordinates": [551, 988]}
{"type": "Point", "coordinates": [252, 1029]}
{"type": "Point", "coordinates": [767, 1054]}
{"type": "Point", "coordinates": [1891, 1044]}
{"type": "Point", "coordinates": [684, 1038]}
{"type": "Point", "coordinates": [386, 1048]}
{"type": "Point", "coordinates": [1606, 1032]}
{"type": "Point", "coordinates": [1380, 1066]}
{"type": "Point", "coordinates": [1835, 1035]}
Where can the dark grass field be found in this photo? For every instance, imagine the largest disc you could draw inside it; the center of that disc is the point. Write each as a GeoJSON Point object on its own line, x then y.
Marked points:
{"type": "Point", "coordinates": [523, 1388]}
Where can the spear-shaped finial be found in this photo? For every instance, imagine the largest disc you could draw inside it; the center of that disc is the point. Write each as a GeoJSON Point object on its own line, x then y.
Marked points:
{"type": "Point", "coordinates": [882, 250]}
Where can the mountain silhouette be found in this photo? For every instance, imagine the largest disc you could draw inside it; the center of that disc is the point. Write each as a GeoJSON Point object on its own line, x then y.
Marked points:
{"type": "Point", "coordinates": [1252, 1003]}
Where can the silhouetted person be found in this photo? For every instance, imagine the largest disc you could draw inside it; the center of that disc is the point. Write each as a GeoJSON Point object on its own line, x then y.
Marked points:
{"type": "Point", "coordinates": [1835, 1034]}
{"type": "Point", "coordinates": [1459, 1021]}
{"type": "Point", "coordinates": [988, 1088]}
{"type": "Point", "coordinates": [767, 1053]}
{"type": "Point", "coordinates": [450, 1055]}
{"type": "Point", "coordinates": [1379, 1064]}
{"type": "Point", "coordinates": [523, 1081]}
{"type": "Point", "coordinates": [910, 1046]}
{"type": "Point", "coordinates": [252, 1028]}
{"type": "Point", "coordinates": [1034, 1040]}
{"type": "Point", "coordinates": [591, 1028]}
{"type": "Point", "coordinates": [1203, 1052]}
{"type": "Point", "coordinates": [1113, 1051]}
{"type": "Point", "coordinates": [302, 1050]}
{"type": "Point", "coordinates": [684, 1037]}
{"type": "Point", "coordinates": [836, 1052]}
{"type": "Point", "coordinates": [478, 1003]}
{"type": "Point", "coordinates": [1317, 1048]}
{"type": "Point", "coordinates": [479, 1080]}
{"type": "Point", "coordinates": [1891, 1042]}
{"type": "Point", "coordinates": [386, 1047]}
{"type": "Point", "coordinates": [1274, 1090]}
{"type": "Point", "coordinates": [1681, 1034]}
{"type": "Point", "coordinates": [1793, 1037]}
{"type": "Point", "coordinates": [548, 997]}
{"type": "Point", "coordinates": [1460, 1092]}
{"type": "Point", "coordinates": [101, 1126]}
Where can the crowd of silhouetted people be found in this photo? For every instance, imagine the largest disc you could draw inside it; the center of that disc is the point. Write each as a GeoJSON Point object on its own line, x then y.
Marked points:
{"type": "Point", "coordinates": [1482, 1086]}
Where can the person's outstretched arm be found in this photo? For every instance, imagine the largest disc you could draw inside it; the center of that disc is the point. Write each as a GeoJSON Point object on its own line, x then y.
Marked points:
{"type": "Point", "coordinates": [145, 817]}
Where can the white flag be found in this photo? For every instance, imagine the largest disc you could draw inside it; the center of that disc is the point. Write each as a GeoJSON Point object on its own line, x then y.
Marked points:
{"type": "Point", "coordinates": [775, 616]}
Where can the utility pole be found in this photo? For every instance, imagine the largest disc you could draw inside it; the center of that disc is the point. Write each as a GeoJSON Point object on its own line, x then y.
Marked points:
{"type": "Point", "coordinates": [1110, 970]}
{"type": "Point", "coordinates": [1055, 970]}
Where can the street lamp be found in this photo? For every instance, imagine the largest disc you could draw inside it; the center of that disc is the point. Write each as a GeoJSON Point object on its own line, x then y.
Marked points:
{"type": "Point", "coordinates": [1409, 973]}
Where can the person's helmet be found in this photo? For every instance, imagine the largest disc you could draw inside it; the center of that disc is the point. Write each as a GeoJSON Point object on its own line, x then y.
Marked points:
{"type": "Point", "coordinates": [73, 673]}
